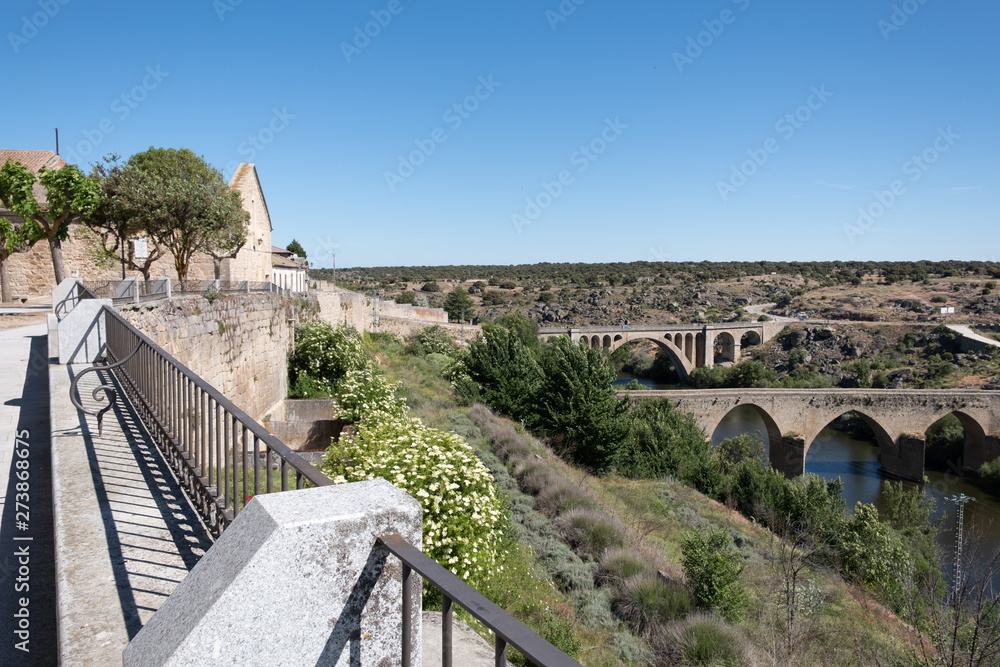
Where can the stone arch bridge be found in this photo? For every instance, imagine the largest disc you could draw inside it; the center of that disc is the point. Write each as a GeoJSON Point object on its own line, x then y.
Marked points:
{"type": "Point", "coordinates": [690, 346]}
{"type": "Point", "coordinates": [899, 418]}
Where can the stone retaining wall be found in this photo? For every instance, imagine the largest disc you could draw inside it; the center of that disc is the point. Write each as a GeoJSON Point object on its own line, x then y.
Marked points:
{"type": "Point", "coordinates": [238, 343]}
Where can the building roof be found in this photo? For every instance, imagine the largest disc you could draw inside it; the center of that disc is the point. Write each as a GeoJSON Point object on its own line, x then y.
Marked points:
{"type": "Point", "coordinates": [34, 161]}
{"type": "Point", "coordinates": [275, 250]}
{"type": "Point", "coordinates": [287, 263]}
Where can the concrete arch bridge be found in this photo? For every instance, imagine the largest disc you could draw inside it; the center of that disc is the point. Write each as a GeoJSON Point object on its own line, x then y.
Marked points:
{"type": "Point", "coordinates": [899, 418]}
{"type": "Point", "coordinates": [690, 346]}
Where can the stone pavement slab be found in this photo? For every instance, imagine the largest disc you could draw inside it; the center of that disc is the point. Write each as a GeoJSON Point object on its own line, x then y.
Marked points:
{"type": "Point", "coordinates": [125, 534]}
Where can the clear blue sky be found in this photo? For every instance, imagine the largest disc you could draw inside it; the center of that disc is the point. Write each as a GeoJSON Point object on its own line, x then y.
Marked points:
{"type": "Point", "coordinates": [922, 82]}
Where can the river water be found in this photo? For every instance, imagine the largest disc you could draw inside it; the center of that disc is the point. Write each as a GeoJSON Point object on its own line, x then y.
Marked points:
{"type": "Point", "coordinates": [836, 454]}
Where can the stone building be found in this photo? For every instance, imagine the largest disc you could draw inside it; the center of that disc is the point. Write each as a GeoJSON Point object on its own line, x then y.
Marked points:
{"type": "Point", "coordinates": [31, 272]}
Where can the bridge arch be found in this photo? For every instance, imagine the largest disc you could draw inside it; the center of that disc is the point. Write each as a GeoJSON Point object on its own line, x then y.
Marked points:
{"type": "Point", "coordinates": [975, 446]}
{"type": "Point", "coordinates": [681, 365]}
{"type": "Point", "coordinates": [595, 342]}
{"type": "Point", "coordinates": [770, 425]}
{"type": "Point", "coordinates": [884, 438]}
{"type": "Point", "coordinates": [749, 339]}
{"type": "Point", "coordinates": [725, 348]}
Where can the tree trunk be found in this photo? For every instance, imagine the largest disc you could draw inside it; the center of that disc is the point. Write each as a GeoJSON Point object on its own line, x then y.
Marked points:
{"type": "Point", "coordinates": [5, 277]}
{"type": "Point", "coordinates": [55, 246]}
{"type": "Point", "coordinates": [218, 267]}
{"type": "Point", "coordinates": [181, 264]}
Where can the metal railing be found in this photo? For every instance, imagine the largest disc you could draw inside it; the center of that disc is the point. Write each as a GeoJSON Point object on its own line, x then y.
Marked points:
{"type": "Point", "coordinates": [142, 291]}
{"type": "Point", "coordinates": [508, 630]}
{"type": "Point", "coordinates": [221, 456]}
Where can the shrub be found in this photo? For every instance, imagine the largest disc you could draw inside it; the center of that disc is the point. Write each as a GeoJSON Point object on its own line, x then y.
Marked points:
{"type": "Point", "coordinates": [591, 533]}
{"type": "Point", "coordinates": [743, 447]}
{"type": "Point", "coordinates": [455, 490]}
{"type": "Point", "coordinates": [432, 339]}
{"type": "Point", "coordinates": [712, 570]}
{"type": "Point", "coordinates": [647, 602]}
{"type": "Point", "coordinates": [494, 298]}
{"type": "Point", "coordinates": [326, 355]}
{"type": "Point", "coordinates": [430, 287]}
{"type": "Point", "coordinates": [406, 298]}
{"type": "Point", "coordinates": [366, 395]}
{"type": "Point", "coordinates": [989, 473]}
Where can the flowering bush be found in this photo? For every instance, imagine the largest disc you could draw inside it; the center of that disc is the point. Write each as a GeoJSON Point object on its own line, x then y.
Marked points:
{"type": "Point", "coordinates": [324, 355]}
{"type": "Point", "coordinates": [439, 469]}
{"type": "Point", "coordinates": [366, 394]}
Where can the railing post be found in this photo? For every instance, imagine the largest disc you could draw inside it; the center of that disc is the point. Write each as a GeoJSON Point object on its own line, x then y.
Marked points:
{"type": "Point", "coordinates": [446, 618]}
{"type": "Point", "coordinates": [407, 613]}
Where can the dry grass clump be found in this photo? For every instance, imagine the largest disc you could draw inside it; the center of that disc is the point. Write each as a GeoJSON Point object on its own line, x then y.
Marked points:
{"type": "Point", "coordinates": [562, 496]}
{"type": "Point", "coordinates": [703, 639]}
{"type": "Point", "coordinates": [591, 533]}
{"type": "Point", "coordinates": [620, 565]}
{"type": "Point", "coordinates": [647, 602]}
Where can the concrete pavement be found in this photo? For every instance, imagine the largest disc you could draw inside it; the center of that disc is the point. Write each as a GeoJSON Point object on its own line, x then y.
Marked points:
{"type": "Point", "coordinates": [27, 569]}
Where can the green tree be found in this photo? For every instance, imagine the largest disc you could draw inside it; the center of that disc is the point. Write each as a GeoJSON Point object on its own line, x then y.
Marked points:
{"type": "Point", "coordinates": [458, 304]}
{"type": "Point", "coordinates": [662, 440]}
{"type": "Point", "coordinates": [872, 552]}
{"type": "Point", "coordinates": [743, 447]}
{"type": "Point", "coordinates": [187, 206]}
{"type": "Point", "coordinates": [519, 325]}
{"type": "Point", "coordinates": [506, 372]}
{"type": "Point", "coordinates": [296, 248]}
{"type": "Point", "coordinates": [69, 197]}
{"type": "Point", "coordinates": [114, 220]}
{"type": "Point", "coordinates": [578, 408]}
{"type": "Point", "coordinates": [431, 286]}
{"type": "Point", "coordinates": [712, 570]}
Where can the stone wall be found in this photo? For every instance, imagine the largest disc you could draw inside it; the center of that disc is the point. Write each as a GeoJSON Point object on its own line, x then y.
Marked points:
{"type": "Point", "coordinates": [357, 310]}
{"type": "Point", "coordinates": [238, 344]}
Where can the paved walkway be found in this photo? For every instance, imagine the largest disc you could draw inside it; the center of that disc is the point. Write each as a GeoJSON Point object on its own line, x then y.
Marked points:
{"type": "Point", "coordinates": [26, 520]}
{"type": "Point", "coordinates": [125, 533]}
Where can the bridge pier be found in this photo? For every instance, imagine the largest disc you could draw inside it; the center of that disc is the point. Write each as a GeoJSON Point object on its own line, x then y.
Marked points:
{"type": "Point", "coordinates": [905, 458]}
{"type": "Point", "coordinates": [788, 455]}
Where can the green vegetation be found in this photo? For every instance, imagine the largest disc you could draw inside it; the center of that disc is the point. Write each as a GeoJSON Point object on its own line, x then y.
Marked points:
{"type": "Point", "coordinates": [459, 306]}
{"type": "Point", "coordinates": [175, 199]}
{"type": "Point", "coordinates": [69, 195]}
{"type": "Point", "coordinates": [296, 248]}
{"type": "Point", "coordinates": [712, 569]}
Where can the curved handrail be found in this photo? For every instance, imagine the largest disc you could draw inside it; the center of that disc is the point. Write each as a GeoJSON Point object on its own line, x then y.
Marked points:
{"type": "Point", "coordinates": [112, 393]}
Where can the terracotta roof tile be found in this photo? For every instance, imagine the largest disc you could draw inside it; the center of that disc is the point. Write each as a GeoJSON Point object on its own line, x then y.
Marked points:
{"type": "Point", "coordinates": [33, 160]}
